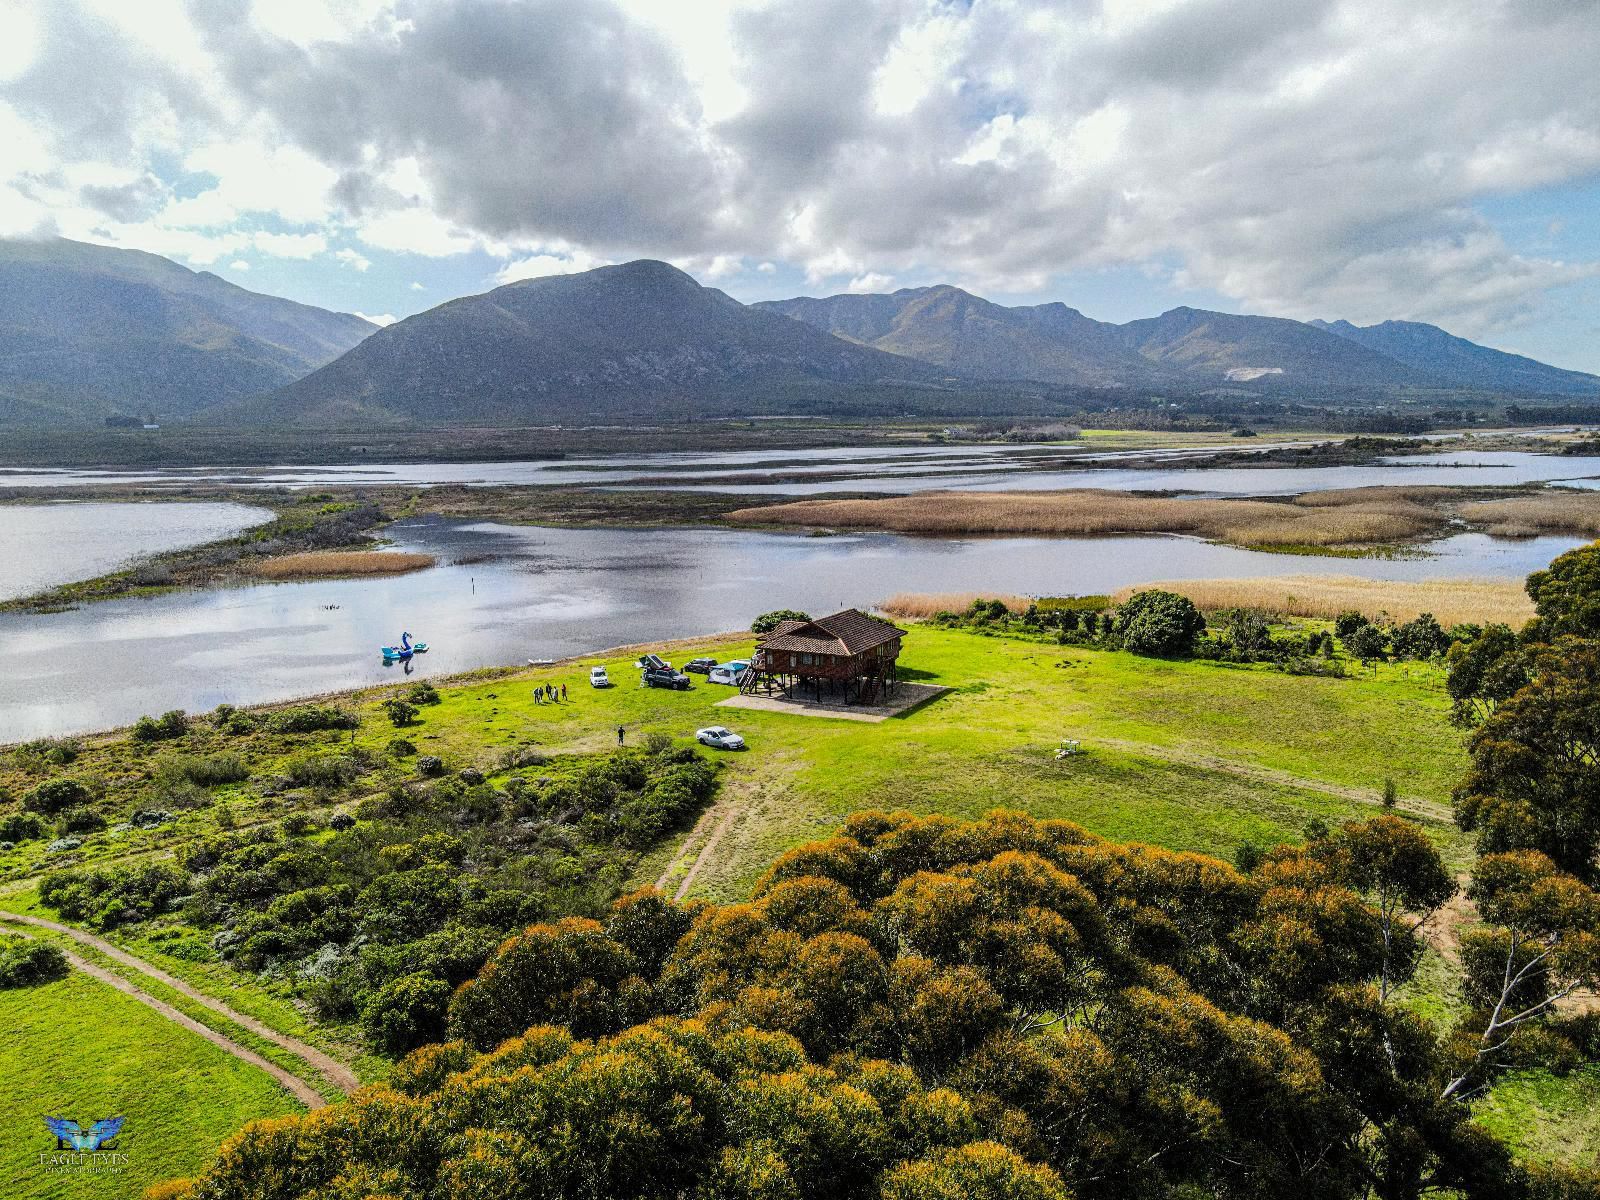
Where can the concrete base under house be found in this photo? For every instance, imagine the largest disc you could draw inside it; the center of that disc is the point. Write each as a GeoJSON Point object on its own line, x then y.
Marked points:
{"type": "Point", "coordinates": [904, 698]}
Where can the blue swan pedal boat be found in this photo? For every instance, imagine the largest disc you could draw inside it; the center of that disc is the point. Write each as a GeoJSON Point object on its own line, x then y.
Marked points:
{"type": "Point", "coordinates": [404, 650]}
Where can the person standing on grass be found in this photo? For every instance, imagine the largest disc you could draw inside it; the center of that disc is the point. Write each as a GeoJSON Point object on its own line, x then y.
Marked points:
{"type": "Point", "coordinates": [563, 692]}
{"type": "Point", "coordinates": [620, 732]}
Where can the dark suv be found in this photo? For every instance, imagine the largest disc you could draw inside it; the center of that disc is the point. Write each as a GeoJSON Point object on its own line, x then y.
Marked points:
{"type": "Point", "coordinates": [700, 666]}
{"type": "Point", "coordinates": [656, 677]}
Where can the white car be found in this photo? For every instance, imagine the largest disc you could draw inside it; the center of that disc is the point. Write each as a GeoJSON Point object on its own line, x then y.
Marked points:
{"type": "Point", "coordinates": [598, 678]}
{"type": "Point", "coordinates": [718, 737]}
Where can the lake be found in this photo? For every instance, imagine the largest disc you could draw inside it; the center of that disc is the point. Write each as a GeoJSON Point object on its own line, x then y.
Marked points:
{"type": "Point", "coordinates": [877, 469]}
{"type": "Point", "coordinates": [48, 544]}
{"type": "Point", "coordinates": [537, 593]}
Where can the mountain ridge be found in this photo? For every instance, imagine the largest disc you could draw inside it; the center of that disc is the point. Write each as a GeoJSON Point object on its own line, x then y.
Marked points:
{"type": "Point", "coordinates": [612, 338]}
{"type": "Point", "coordinates": [89, 331]}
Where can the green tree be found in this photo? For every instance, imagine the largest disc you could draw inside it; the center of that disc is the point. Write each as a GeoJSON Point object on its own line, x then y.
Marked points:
{"type": "Point", "coordinates": [1369, 643]}
{"type": "Point", "coordinates": [1566, 595]}
{"type": "Point", "coordinates": [1541, 944]}
{"type": "Point", "coordinates": [1490, 669]}
{"type": "Point", "coordinates": [1534, 782]}
{"type": "Point", "coordinates": [1159, 623]}
{"type": "Point", "coordinates": [768, 621]}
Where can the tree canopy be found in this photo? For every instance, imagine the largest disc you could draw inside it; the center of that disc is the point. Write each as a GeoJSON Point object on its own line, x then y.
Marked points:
{"type": "Point", "coordinates": [926, 1008]}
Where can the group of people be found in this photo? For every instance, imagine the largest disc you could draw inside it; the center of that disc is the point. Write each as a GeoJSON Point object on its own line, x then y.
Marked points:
{"type": "Point", "coordinates": [549, 692]}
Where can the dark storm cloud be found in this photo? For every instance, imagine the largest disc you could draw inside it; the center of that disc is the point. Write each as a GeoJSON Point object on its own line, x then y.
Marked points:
{"type": "Point", "coordinates": [555, 118]}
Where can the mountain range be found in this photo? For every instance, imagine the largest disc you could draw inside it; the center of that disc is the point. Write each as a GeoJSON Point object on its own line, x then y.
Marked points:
{"type": "Point", "coordinates": [88, 331]}
{"type": "Point", "coordinates": [1051, 343]}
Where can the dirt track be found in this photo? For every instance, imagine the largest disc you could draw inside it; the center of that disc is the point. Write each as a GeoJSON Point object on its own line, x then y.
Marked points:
{"type": "Point", "coordinates": [337, 1072]}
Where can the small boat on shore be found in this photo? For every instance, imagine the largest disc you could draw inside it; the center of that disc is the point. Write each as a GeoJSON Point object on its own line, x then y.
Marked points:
{"type": "Point", "coordinates": [541, 662]}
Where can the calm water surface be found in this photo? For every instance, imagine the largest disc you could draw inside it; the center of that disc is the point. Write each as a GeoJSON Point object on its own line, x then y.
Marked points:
{"type": "Point", "coordinates": [553, 592]}
{"type": "Point", "coordinates": [881, 469]}
{"type": "Point", "coordinates": [48, 544]}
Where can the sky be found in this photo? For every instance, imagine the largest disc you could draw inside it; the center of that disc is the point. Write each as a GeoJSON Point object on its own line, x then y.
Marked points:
{"type": "Point", "coordinates": [1357, 159]}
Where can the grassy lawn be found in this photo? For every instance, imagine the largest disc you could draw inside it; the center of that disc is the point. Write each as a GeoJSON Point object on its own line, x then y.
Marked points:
{"type": "Point", "coordinates": [80, 1049]}
{"type": "Point", "coordinates": [1194, 756]}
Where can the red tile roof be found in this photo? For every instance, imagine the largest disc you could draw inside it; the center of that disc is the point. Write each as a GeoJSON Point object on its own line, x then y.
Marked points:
{"type": "Point", "coordinates": [844, 633]}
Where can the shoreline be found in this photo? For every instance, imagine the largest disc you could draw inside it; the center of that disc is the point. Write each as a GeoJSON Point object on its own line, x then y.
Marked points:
{"type": "Point", "coordinates": [472, 675]}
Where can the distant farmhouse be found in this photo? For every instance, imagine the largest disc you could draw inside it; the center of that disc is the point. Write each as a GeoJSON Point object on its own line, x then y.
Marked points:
{"type": "Point", "coordinates": [848, 657]}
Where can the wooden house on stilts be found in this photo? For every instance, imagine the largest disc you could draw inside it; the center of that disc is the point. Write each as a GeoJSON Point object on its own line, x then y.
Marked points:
{"type": "Point", "coordinates": [847, 658]}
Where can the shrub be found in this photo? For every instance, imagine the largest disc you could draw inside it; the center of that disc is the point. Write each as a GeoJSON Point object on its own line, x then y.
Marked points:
{"type": "Point", "coordinates": [27, 963]}
{"type": "Point", "coordinates": [1159, 623]}
{"type": "Point", "coordinates": [81, 820]}
{"type": "Point", "coordinates": [341, 821]}
{"type": "Point", "coordinates": [768, 621]}
{"type": "Point", "coordinates": [169, 725]}
{"type": "Point", "coordinates": [324, 771]}
{"type": "Point", "coordinates": [115, 895]}
{"type": "Point", "coordinates": [21, 827]}
{"type": "Point", "coordinates": [210, 770]}
{"type": "Point", "coordinates": [55, 795]}
{"type": "Point", "coordinates": [1247, 630]}
{"type": "Point", "coordinates": [309, 718]}
{"type": "Point", "coordinates": [1369, 643]}
{"type": "Point", "coordinates": [407, 1012]}
{"type": "Point", "coordinates": [400, 712]}
{"type": "Point", "coordinates": [423, 693]}
{"type": "Point", "coordinates": [401, 748]}
{"type": "Point", "coordinates": [428, 765]}
{"type": "Point", "coordinates": [1422, 637]}
{"type": "Point", "coordinates": [1348, 622]}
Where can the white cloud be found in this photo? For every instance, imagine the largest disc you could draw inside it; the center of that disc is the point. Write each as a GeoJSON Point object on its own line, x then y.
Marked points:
{"type": "Point", "coordinates": [1306, 157]}
{"type": "Point", "coordinates": [380, 319]}
{"type": "Point", "coordinates": [416, 231]}
{"type": "Point", "coordinates": [290, 245]}
{"type": "Point", "coordinates": [871, 281]}
{"type": "Point", "coordinates": [417, 287]}
{"type": "Point", "coordinates": [537, 266]}
{"type": "Point", "coordinates": [353, 258]}
{"type": "Point", "coordinates": [238, 264]}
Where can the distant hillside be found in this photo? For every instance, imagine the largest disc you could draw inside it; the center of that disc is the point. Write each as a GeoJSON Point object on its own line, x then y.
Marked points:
{"type": "Point", "coordinates": [642, 338]}
{"type": "Point", "coordinates": [88, 331]}
{"type": "Point", "coordinates": [1244, 348]}
{"type": "Point", "coordinates": [1058, 345]}
{"type": "Point", "coordinates": [1462, 363]}
{"type": "Point", "coordinates": [971, 336]}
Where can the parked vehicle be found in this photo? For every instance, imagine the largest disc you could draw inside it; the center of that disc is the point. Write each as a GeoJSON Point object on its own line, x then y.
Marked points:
{"type": "Point", "coordinates": [729, 673]}
{"type": "Point", "coordinates": [700, 666]}
{"type": "Point", "coordinates": [719, 737]}
{"type": "Point", "coordinates": [654, 677]}
{"type": "Point", "coordinates": [598, 678]}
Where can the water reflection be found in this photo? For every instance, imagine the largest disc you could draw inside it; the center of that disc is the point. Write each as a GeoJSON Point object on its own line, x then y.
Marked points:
{"type": "Point", "coordinates": [536, 593]}
{"type": "Point", "coordinates": [49, 544]}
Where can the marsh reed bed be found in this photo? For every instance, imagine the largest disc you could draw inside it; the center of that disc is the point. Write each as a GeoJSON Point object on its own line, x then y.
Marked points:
{"type": "Point", "coordinates": [337, 564]}
{"type": "Point", "coordinates": [1451, 601]}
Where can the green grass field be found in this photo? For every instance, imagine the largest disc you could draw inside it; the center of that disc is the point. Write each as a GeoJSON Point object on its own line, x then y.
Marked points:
{"type": "Point", "coordinates": [80, 1049]}
{"type": "Point", "coordinates": [1192, 755]}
